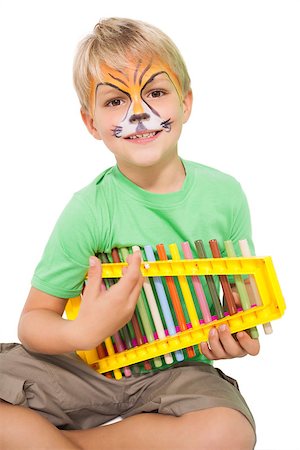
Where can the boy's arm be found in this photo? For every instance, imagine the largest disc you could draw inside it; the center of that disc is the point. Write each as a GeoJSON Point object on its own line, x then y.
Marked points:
{"type": "Point", "coordinates": [42, 328]}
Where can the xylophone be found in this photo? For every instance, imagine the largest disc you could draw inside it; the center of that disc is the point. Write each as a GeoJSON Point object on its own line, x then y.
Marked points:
{"type": "Point", "coordinates": [180, 303]}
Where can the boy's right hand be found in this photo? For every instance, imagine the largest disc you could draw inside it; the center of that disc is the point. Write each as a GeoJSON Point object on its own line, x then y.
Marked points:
{"type": "Point", "coordinates": [103, 312]}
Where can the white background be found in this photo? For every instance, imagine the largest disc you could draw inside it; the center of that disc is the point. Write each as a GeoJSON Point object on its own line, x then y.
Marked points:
{"type": "Point", "coordinates": [243, 59]}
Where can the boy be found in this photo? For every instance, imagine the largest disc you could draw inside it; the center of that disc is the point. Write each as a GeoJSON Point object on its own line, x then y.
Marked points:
{"type": "Point", "coordinates": [135, 95]}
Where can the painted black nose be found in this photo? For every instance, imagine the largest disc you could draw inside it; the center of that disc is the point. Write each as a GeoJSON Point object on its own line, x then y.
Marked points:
{"type": "Point", "coordinates": [135, 118]}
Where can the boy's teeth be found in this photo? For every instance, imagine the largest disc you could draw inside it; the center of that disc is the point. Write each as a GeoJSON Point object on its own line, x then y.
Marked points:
{"type": "Point", "coordinates": [144, 135]}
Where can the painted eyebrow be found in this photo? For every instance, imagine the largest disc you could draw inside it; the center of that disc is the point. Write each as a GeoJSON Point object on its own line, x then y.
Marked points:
{"type": "Point", "coordinates": [118, 79]}
{"type": "Point", "coordinates": [143, 73]}
{"type": "Point", "coordinates": [154, 76]}
{"type": "Point", "coordinates": [136, 71]}
{"type": "Point", "coordinates": [114, 87]}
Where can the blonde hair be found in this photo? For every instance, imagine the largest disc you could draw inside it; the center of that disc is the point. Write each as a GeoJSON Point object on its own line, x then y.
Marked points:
{"type": "Point", "coordinates": [112, 42]}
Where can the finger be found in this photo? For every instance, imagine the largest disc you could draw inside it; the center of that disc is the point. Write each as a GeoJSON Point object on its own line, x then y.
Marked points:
{"type": "Point", "coordinates": [133, 270]}
{"type": "Point", "coordinates": [94, 281]}
{"type": "Point", "coordinates": [132, 278]}
{"type": "Point", "coordinates": [136, 259]}
{"type": "Point", "coordinates": [133, 260]}
{"type": "Point", "coordinates": [134, 295]}
{"type": "Point", "coordinates": [231, 347]}
{"type": "Point", "coordinates": [102, 286]}
{"type": "Point", "coordinates": [215, 345]}
{"type": "Point", "coordinates": [237, 299]}
{"type": "Point", "coordinates": [206, 351]}
{"type": "Point", "coordinates": [250, 346]}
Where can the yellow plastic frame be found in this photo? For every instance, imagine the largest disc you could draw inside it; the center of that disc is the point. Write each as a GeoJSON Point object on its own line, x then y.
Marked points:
{"type": "Point", "coordinates": [262, 269]}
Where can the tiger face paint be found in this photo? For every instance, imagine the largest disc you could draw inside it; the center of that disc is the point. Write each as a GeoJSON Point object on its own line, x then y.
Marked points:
{"type": "Point", "coordinates": [139, 117]}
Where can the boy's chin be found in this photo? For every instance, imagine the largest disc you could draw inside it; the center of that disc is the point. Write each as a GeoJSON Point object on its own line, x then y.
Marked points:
{"type": "Point", "coordinates": [144, 163]}
{"type": "Point", "coordinates": [142, 160]}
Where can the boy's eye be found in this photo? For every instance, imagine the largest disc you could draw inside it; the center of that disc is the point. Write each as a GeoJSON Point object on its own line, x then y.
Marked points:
{"type": "Point", "coordinates": [115, 102]}
{"type": "Point", "coordinates": [157, 93]}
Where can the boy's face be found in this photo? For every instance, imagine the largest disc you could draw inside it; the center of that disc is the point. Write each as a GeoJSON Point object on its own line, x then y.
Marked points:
{"type": "Point", "coordinates": [138, 112]}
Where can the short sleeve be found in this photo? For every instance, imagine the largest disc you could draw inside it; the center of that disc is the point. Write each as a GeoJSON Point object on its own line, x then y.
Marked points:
{"type": "Point", "coordinates": [241, 221]}
{"type": "Point", "coordinates": [64, 263]}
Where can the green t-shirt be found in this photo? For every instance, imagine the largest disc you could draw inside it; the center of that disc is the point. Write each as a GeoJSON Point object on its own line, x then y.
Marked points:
{"type": "Point", "coordinates": [114, 212]}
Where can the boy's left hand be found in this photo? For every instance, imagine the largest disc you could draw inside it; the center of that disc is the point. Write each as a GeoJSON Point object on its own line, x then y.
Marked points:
{"type": "Point", "coordinates": [222, 345]}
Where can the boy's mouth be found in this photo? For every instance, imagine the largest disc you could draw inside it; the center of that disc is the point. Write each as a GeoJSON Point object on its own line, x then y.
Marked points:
{"type": "Point", "coordinates": [145, 135]}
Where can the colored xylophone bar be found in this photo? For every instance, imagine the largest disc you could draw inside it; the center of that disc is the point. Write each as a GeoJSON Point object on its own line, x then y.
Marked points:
{"type": "Point", "coordinates": [180, 303]}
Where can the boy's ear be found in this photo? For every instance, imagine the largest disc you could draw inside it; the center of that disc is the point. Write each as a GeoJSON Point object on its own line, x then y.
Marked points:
{"type": "Point", "coordinates": [187, 105]}
{"type": "Point", "coordinates": [89, 123]}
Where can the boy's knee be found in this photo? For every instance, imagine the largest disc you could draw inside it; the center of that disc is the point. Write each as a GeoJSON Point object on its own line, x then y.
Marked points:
{"type": "Point", "coordinates": [8, 427]}
{"type": "Point", "coordinates": [220, 428]}
{"type": "Point", "coordinates": [238, 435]}
{"type": "Point", "coordinates": [12, 415]}
{"type": "Point", "coordinates": [19, 426]}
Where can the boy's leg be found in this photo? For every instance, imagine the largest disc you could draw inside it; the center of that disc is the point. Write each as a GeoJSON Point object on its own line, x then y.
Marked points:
{"type": "Point", "coordinates": [73, 396]}
{"type": "Point", "coordinates": [196, 407]}
{"type": "Point", "coordinates": [62, 388]}
{"type": "Point", "coordinates": [23, 429]}
{"type": "Point", "coordinates": [214, 428]}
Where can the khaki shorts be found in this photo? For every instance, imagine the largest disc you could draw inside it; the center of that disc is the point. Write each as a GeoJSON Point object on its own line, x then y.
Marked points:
{"type": "Point", "coordinates": [71, 395]}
